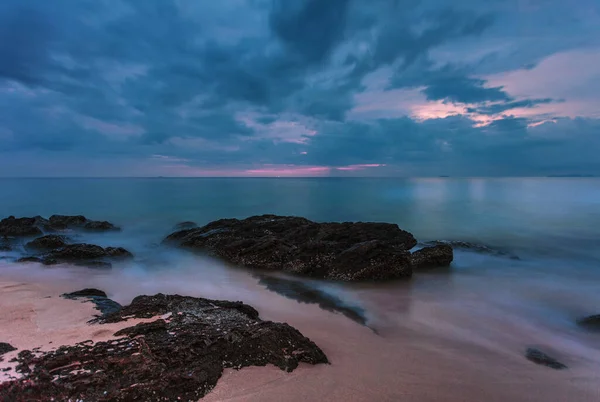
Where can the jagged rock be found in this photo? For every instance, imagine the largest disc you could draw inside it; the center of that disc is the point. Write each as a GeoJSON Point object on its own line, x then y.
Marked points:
{"type": "Point", "coordinates": [591, 322]}
{"type": "Point", "coordinates": [339, 251]}
{"type": "Point", "coordinates": [98, 297]}
{"type": "Point", "coordinates": [180, 356]}
{"type": "Point", "coordinates": [47, 243]}
{"type": "Point", "coordinates": [539, 357]}
{"type": "Point", "coordinates": [432, 257]}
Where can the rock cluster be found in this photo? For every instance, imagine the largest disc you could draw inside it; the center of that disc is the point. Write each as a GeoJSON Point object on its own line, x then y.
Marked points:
{"type": "Point", "coordinates": [179, 356]}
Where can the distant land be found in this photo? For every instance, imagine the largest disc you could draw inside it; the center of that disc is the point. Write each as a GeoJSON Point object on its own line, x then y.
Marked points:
{"type": "Point", "coordinates": [571, 175]}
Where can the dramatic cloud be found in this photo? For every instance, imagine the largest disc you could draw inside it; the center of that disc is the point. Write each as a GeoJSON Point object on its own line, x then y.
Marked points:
{"type": "Point", "coordinates": [306, 87]}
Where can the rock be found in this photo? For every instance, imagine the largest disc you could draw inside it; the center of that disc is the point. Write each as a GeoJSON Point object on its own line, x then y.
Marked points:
{"type": "Point", "coordinates": [80, 222]}
{"type": "Point", "coordinates": [179, 356]}
{"type": "Point", "coordinates": [85, 293]}
{"type": "Point", "coordinates": [26, 227]}
{"type": "Point", "coordinates": [89, 255]}
{"type": "Point", "coordinates": [475, 247]}
{"type": "Point", "coordinates": [432, 257]}
{"type": "Point", "coordinates": [591, 322]}
{"type": "Point", "coordinates": [338, 251]}
{"type": "Point", "coordinates": [47, 243]}
{"type": "Point", "coordinates": [185, 225]}
{"type": "Point", "coordinates": [5, 348]}
{"type": "Point", "coordinates": [98, 297]}
{"type": "Point", "coordinates": [5, 244]}
{"type": "Point", "coordinates": [304, 293]}
{"type": "Point", "coordinates": [19, 227]}
{"type": "Point", "coordinates": [539, 357]}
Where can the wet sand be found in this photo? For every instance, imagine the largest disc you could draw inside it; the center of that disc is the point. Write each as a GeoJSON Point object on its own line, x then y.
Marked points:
{"type": "Point", "coordinates": [407, 362]}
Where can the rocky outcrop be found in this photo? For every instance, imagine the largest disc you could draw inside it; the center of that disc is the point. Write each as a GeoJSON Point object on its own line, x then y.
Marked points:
{"type": "Point", "coordinates": [81, 254]}
{"type": "Point", "coordinates": [432, 257]}
{"type": "Point", "coordinates": [539, 357]}
{"type": "Point", "coordinates": [338, 251]}
{"type": "Point", "coordinates": [591, 322]}
{"type": "Point", "coordinates": [28, 227]}
{"type": "Point", "coordinates": [179, 356]}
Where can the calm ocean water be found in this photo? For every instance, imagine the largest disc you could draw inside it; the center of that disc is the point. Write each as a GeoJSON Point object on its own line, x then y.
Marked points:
{"type": "Point", "coordinates": [552, 225]}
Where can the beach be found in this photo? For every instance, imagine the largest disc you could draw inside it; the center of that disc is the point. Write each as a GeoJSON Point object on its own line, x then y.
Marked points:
{"type": "Point", "coordinates": [408, 362]}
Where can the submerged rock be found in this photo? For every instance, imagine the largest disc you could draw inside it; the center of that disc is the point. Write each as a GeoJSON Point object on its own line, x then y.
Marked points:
{"type": "Point", "coordinates": [432, 257]}
{"type": "Point", "coordinates": [475, 247]}
{"type": "Point", "coordinates": [98, 297]}
{"type": "Point", "coordinates": [304, 293]}
{"type": "Point", "coordinates": [180, 356]}
{"type": "Point", "coordinates": [47, 243]}
{"type": "Point", "coordinates": [59, 222]}
{"type": "Point", "coordinates": [591, 322]}
{"type": "Point", "coordinates": [185, 225]}
{"type": "Point", "coordinates": [539, 357]}
{"type": "Point", "coordinates": [340, 251]}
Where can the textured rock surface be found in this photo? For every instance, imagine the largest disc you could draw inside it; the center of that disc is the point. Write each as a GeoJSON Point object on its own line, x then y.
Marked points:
{"type": "Point", "coordinates": [47, 243]}
{"type": "Point", "coordinates": [180, 356]}
{"type": "Point", "coordinates": [338, 251]}
{"type": "Point", "coordinates": [432, 257]}
{"type": "Point", "coordinates": [81, 254]}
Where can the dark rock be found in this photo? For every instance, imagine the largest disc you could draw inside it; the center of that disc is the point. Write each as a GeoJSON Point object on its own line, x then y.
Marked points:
{"type": "Point", "coordinates": [98, 297]}
{"type": "Point", "coordinates": [591, 322]}
{"type": "Point", "coordinates": [118, 253]}
{"type": "Point", "coordinates": [304, 293]}
{"type": "Point", "coordinates": [47, 243]}
{"type": "Point", "coordinates": [539, 357]}
{"type": "Point", "coordinates": [185, 225]}
{"type": "Point", "coordinates": [5, 244]}
{"type": "Point", "coordinates": [475, 247]}
{"type": "Point", "coordinates": [5, 348]}
{"type": "Point", "coordinates": [80, 222]}
{"type": "Point", "coordinates": [179, 357]}
{"type": "Point", "coordinates": [85, 293]}
{"type": "Point", "coordinates": [339, 251]}
{"type": "Point", "coordinates": [19, 227]}
{"type": "Point", "coordinates": [82, 254]}
{"type": "Point", "coordinates": [432, 257]}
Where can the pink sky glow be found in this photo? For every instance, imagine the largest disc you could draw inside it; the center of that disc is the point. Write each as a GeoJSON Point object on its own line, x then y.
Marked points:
{"type": "Point", "coordinates": [262, 170]}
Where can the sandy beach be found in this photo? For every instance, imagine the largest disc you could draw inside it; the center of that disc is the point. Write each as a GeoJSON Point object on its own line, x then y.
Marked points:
{"type": "Point", "coordinates": [407, 362]}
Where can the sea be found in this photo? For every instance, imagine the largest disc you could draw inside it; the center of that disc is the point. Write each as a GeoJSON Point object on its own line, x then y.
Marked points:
{"type": "Point", "coordinates": [532, 271]}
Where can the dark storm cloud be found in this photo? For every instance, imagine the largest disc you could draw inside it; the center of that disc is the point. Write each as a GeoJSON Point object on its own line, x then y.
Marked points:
{"type": "Point", "coordinates": [250, 81]}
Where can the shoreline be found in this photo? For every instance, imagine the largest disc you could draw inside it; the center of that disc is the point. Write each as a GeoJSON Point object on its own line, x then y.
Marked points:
{"type": "Point", "coordinates": [407, 362]}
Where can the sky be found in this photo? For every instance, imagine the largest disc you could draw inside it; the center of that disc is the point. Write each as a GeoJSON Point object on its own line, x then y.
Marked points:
{"type": "Point", "coordinates": [299, 88]}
